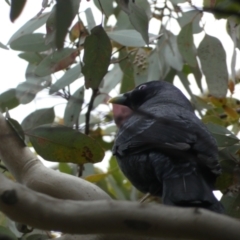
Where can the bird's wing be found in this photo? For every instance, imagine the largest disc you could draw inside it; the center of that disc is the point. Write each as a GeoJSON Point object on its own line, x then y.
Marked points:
{"type": "Point", "coordinates": [173, 135]}
{"type": "Point", "coordinates": [140, 134]}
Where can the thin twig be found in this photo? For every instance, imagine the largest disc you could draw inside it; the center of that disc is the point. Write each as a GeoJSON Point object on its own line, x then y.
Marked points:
{"type": "Point", "coordinates": [118, 50]}
{"type": "Point", "coordinates": [90, 106]}
{"type": "Point", "coordinates": [87, 124]}
{"type": "Point", "coordinates": [101, 10]}
{"type": "Point", "coordinates": [125, 57]}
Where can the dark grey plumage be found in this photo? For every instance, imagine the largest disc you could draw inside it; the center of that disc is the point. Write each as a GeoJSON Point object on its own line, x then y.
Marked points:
{"type": "Point", "coordinates": [164, 149]}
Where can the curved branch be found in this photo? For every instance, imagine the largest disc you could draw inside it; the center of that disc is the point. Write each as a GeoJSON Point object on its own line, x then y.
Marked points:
{"type": "Point", "coordinates": [112, 217]}
{"type": "Point", "coordinates": [29, 170]}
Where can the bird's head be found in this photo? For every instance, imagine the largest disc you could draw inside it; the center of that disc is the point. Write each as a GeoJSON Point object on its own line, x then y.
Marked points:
{"type": "Point", "coordinates": [152, 93]}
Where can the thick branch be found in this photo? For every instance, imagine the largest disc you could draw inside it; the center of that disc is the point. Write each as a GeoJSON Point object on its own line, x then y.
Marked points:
{"type": "Point", "coordinates": [111, 217]}
{"type": "Point", "coordinates": [29, 170]}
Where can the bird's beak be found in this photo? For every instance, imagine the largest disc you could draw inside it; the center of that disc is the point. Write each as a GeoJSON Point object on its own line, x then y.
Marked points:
{"type": "Point", "coordinates": [120, 99]}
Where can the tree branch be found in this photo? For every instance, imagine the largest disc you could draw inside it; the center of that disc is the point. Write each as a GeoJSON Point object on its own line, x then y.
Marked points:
{"type": "Point", "coordinates": [111, 217]}
{"type": "Point", "coordinates": [29, 170]}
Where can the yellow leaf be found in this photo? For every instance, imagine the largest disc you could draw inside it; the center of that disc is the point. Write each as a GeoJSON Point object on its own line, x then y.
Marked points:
{"type": "Point", "coordinates": [217, 102]}
{"type": "Point", "coordinates": [96, 177]}
{"type": "Point", "coordinates": [77, 31]}
{"type": "Point", "coordinates": [231, 112]}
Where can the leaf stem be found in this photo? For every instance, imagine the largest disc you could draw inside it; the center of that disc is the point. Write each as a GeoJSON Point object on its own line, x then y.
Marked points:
{"type": "Point", "coordinates": [90, 106]}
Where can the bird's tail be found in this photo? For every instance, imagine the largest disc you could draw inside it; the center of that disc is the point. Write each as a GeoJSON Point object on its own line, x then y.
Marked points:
{"type": "Point", "coordinates": [190, 191]}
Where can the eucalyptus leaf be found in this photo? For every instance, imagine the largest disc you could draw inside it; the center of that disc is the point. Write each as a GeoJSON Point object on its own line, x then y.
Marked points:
{"type": "Point", "coordinates": [213, 60]}
{"type": "Point", "coordinates": [63, 144]}
{"type": "Point", "coordinates": [107, 6]}
{"type": "Point", "coordinates": [30, 26]}
{"type": "Point", "coordinates": [56, 61]}
{"type": "Point", "coordinates": [186, 45]}
{"type": "Point", "coordinates": [111, 79]}
{"type": "Point", "coordinates": [8, 100]}
{"type": "Point", "coordinates": [73, 108]}
{"type": "Point", "coordinates": [192, 16]}
{"type": "Point", "coordinates": [65, 13]}
{"type": "Point", "coordinates": [16, 8]}
{"type": "Point", "coordinates": [3, 46]}
{"type": "Point", "coordinates": [139, 19]}
{"type": "Point", "coordinates": [97, 54]}
{"type": "Point", "coordinates": [33, 42]}
{"type": "Point", "coordinates": [37, 118]}
{"type": "Point", "coordinates": [70, 76]}
{"type": "Point", "coordinates": [128, 38]}
{"type": "Point", "coordinates": [171, 53]}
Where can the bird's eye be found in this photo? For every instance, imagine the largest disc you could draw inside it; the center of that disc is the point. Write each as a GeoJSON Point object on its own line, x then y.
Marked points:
{"type": "Point", "coordinates": [142, 87]}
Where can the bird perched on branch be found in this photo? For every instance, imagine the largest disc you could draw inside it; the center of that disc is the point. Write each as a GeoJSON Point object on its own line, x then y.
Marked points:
{"type": "Point", "coordinates": [165, 150]}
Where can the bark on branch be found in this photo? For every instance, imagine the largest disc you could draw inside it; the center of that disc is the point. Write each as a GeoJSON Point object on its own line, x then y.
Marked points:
{"type": "Point", "coordinates": [112, 217]}
{"type": "Point", "coordinates": [29, 170]}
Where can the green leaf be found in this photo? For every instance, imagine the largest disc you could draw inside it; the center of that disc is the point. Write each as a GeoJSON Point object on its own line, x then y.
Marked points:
{"type": "Point", "coordinates": [37, 118]}
{"type": "Point", "coordinates": [123, 5]}
{"type": "Point", "coordinates": [231, 203]}
{"type": "Point", "coordinates": [16, 8]}
{"type": "Point", "coordinates": [6, 234]}
{"type": "Point", "coordinates": [154, 70]}
{"type": "Point", "coordinates": [107, 6]}
{"type": "Point", "coordinates": [163, 65]}
{"type": "Point", "coordinates": [224, 141]}
{"type": "Point", "coordinates": [171, 75]}
{"type": "Point", "coordinates": [51, 28]}
{"type": "Point", "coordinates": [17, 128]}
{"type": "Point", "coordinates": [214, 128]}
{"type": "Point", "coordinates": [65, 168]}
{"type": "Point", "coordinates": [8, 100]}
{"type": "Point", "coordinates": [31, 57]}
{"type": "Point", "coordinates": [70, 76]}
{"type": "Point", "coordinates": [141, 66]}
{"type": "Point", "coordinates": [56, 61]}
{"type": "Point", "coordinates": [178, 1]}
{"type": "Point", "coordinates": [3, 46]}
{"type": "Point", "coordinates": [96, 177]}
{"type": "Point", "coordinates": [123, 22]}
{"type": "Point", "coordinates": [213, 60]}
{"type": "Point", "coordinates": [224, 181]}
{"type": "Point", "coordinates": [128, 38]}
{"type": "Point", "coordinates": [126, 65]}
{"type": "Point", "coordinates": [63, 144]}
{"type": "Point", "coordinates": [186, 46]}
{"type": "Point", "coordinates": [30, 26]}
{"type": "Point", "coordinates": [119, 177]}
{"type": "Point", "coordinates": [139, 19]}
{"type": "Point", "coordinates": [97, 55]}
{"type": "Point", "coordinates": [222, 135]}
{"type": "Point", "coordinates": [197, 75]}
{"type": "Point", "coordinates": [111, 79]}
{"type": "Point", "coordinates": [171, 53]}
{"type": "Point", "coordinates": [226, 8]}
{"type": "Point", "coordinates": [33, 42]}
{"type": "Point", "coordinates": [73, 108]}
{"type": "Point", "coordinates": [194, 17]}
{"type": "Point", "coordinates": [65, 13]}
{"type": "Point", "coordinates": [229, 155]}
{"type": "Point", "coordinates": [27, 91]}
